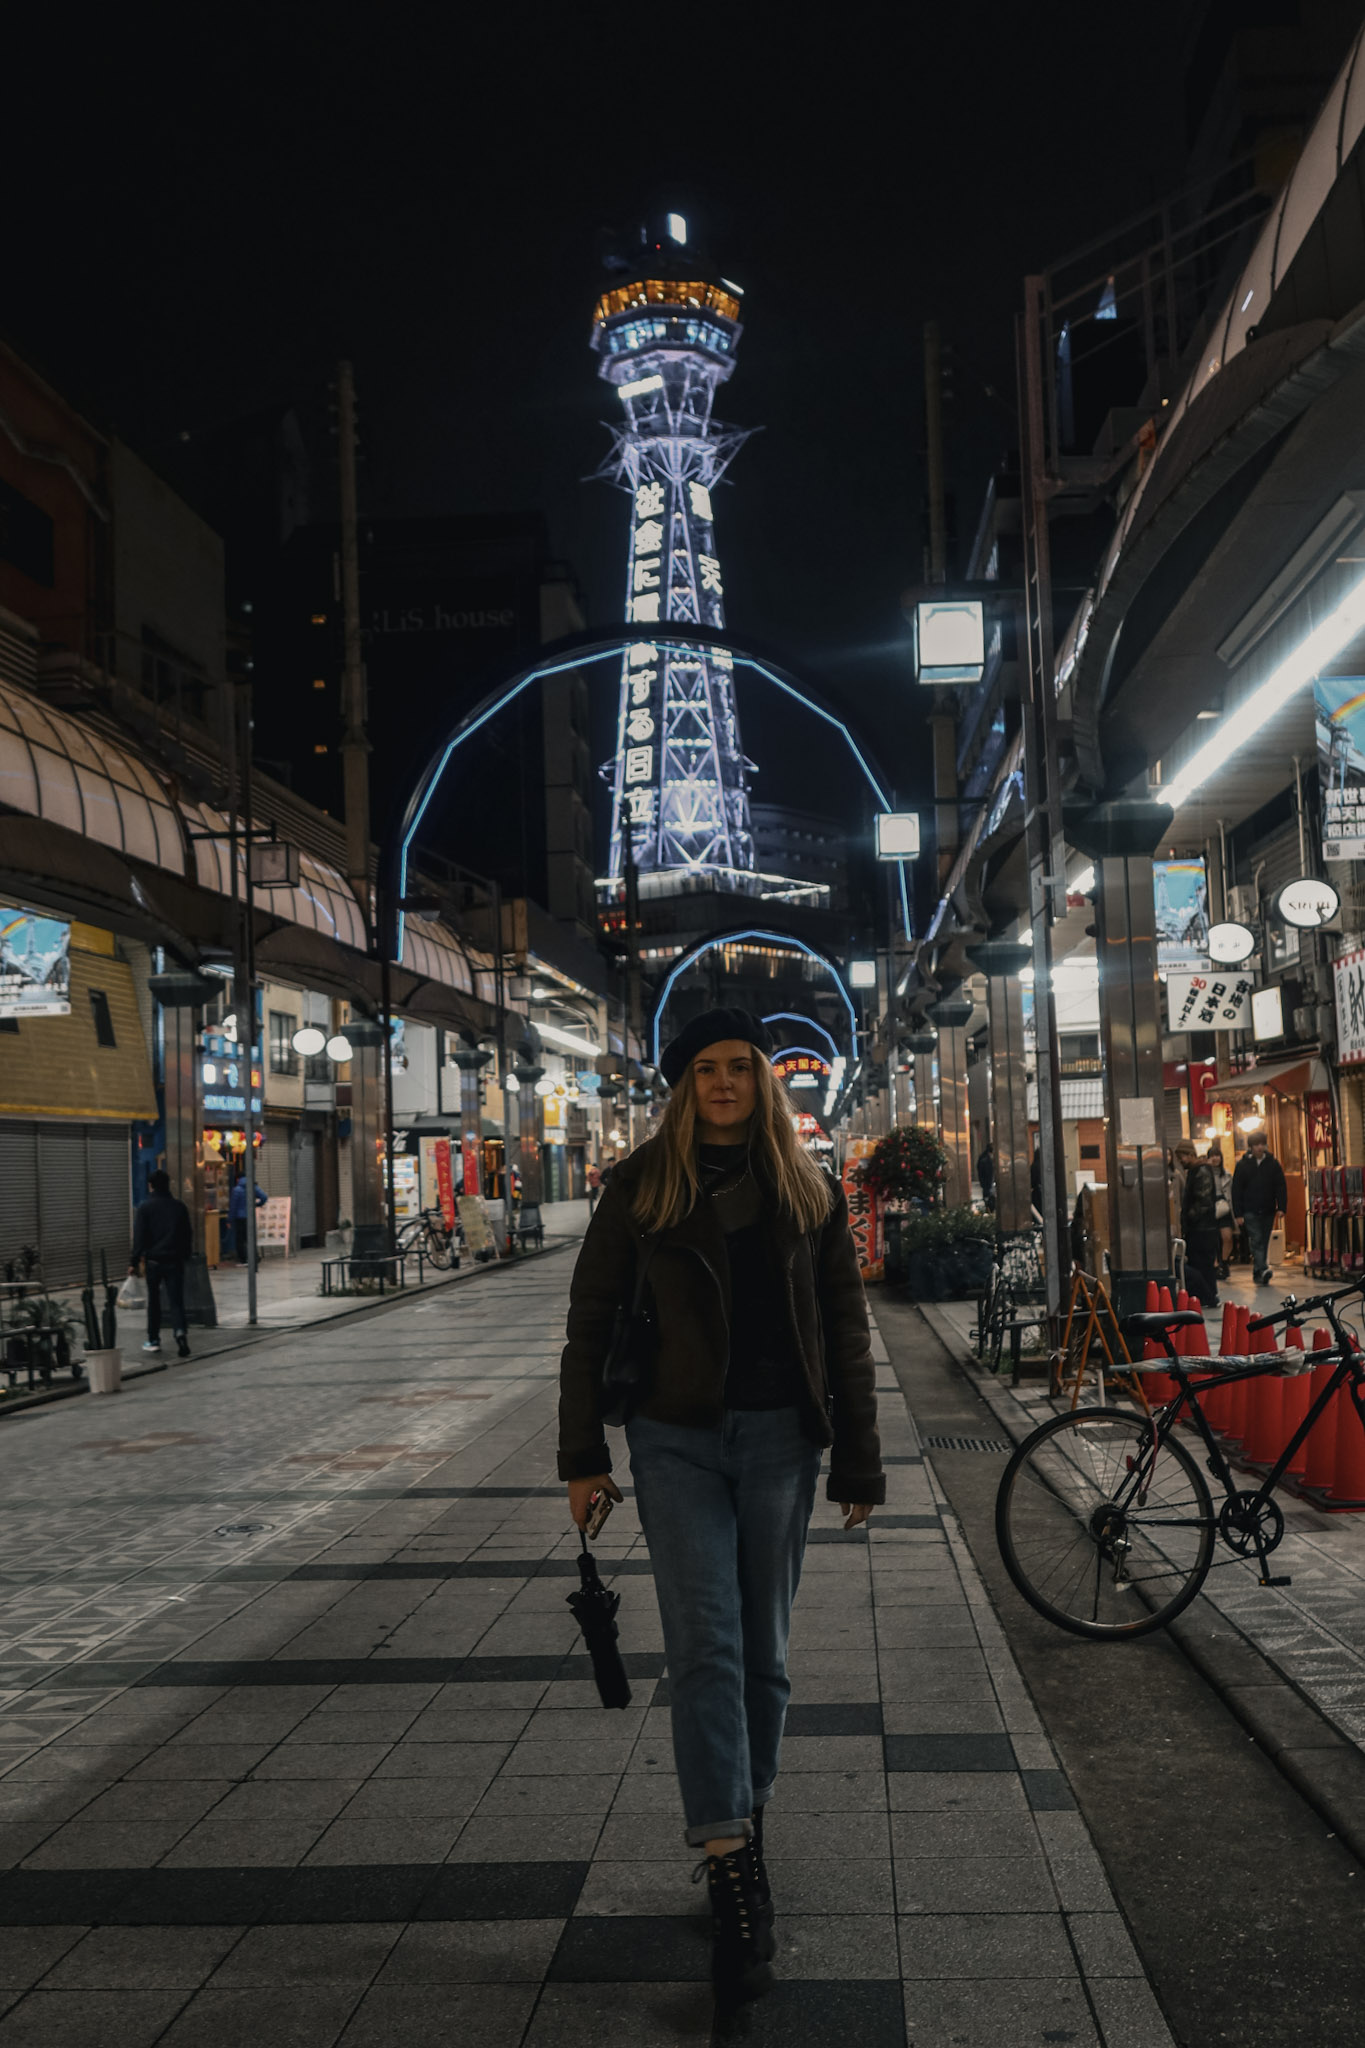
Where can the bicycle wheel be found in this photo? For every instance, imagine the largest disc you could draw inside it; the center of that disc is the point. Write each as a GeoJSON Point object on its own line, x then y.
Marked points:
{"type": "Point", "coordinates": [440, 1250]}
{"type": "Point", "coordinates": [1098, 1535]}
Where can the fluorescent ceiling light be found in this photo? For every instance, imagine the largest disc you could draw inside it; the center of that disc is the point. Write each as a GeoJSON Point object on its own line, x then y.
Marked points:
{"type": "Point", "coordinates": [568, 1041]}
{"type": "Point", "coordinates": [676, 226]}
{"type": "Point", "coordinates": [639, 386]}
{"type": "Point", "coordinates": [862, 974]}
{"type": "Point", "coordinates": [1322, 645]}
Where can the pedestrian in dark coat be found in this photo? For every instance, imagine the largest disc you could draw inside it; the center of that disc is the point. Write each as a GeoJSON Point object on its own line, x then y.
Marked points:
{"type": "Point", "coordinates": [163, 1239]}
{"type": "Point", "coordinates": [1259, 1194]}
{"type": "Point", "coordinates": [764, 1362]}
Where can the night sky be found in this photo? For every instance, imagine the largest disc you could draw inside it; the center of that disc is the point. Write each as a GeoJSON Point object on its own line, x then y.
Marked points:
{"type": "Point", "coordinates": [205, 209]}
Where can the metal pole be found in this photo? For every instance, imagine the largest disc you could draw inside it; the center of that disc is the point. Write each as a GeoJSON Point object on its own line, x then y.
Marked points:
{"type": "Point", "coordinates": [355, 745]}
{"type": "Point", "coordinates": [386, 922]}
{"type": "Point", "coordinates": [635, 1022]}
{"type": "Point", "coordinates": [500, 1004]}
{"type": "Point", "coordinates": [249, 963]}
{"type": "Point", "coordinates": [1046, 847]}
{"type": "Point", "coordinates": [933, 452]}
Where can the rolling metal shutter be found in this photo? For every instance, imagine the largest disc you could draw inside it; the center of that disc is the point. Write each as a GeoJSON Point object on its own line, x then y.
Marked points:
{"type": "Point", "coordinates": [18, 1190]}
{"type": "Point", "coordinates": [63, 1187]}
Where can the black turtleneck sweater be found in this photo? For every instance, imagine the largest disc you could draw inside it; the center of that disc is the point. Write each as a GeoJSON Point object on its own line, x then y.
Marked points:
{"type": "Point", "coordinates": [763, 1373]}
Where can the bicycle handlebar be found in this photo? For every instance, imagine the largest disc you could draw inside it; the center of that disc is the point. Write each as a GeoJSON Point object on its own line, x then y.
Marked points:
{"type": "Point", "coordinates": [1294, 1311]}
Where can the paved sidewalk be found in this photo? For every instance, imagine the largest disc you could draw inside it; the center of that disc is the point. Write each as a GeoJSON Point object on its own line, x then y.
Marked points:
{"type": "Point", "coordinates": [297, 1745]}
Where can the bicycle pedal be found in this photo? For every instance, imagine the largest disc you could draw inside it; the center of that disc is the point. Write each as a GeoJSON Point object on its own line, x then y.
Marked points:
{"type": "Point", "coordinates": [1285, 1581]}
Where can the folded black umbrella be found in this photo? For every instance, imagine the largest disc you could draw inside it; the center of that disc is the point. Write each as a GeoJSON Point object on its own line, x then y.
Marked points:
{"type": "Point", "coordinates": [595, 1612]}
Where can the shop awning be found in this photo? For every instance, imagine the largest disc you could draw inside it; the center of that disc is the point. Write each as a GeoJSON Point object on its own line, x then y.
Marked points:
{"type": "Point", "coordinates": [1306, 1076]}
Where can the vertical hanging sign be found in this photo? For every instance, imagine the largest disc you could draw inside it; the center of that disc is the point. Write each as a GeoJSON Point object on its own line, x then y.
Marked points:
{"type": "Point", "coordinates": [445, 1189]}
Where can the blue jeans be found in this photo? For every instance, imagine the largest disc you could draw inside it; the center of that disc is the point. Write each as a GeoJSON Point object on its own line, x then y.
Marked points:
{"type": "Point", "coordinates": [1258, 1229]}
{"type": "Point", "coordinates": [725, 1513]}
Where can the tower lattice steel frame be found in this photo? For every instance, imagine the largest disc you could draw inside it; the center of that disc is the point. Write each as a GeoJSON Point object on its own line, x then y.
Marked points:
{"type": "Point", "coordinates": [679, 772]}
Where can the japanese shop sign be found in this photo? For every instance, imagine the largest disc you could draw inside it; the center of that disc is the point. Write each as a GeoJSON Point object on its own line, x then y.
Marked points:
{"type": "Point", "coordinates": [864, 1217]}
{"type": "Point", "coordinates": [1348, 974]}
{"type": "Point", "coordinates": [1218, 999]}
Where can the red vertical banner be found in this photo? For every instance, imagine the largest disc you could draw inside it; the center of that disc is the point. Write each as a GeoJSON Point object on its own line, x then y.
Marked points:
{"type": "Point", "coordinates": [864, 1214]}
{"type": "Point", "coordinates": [470, 1180]}
{"type": "Point", "coordinates": [445, 1187]}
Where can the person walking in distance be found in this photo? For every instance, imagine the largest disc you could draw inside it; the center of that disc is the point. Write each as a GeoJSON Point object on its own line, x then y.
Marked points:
{"type": "Point", "coordinates": [237, 1216]}
{"type": "Point", "coordinates": [162, 1241]}
{"type": "Point", "coordinates": [594, 1186]}
{"type": "Point", "coordinates": [1199, 1225]}
{"type": "Point", "coordinates": [1259, 1194]}
{"type": "Point", "coordinates": [763, 1363]}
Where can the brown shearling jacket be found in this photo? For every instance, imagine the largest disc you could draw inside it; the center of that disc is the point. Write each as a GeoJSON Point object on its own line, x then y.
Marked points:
{"type": "Point", "coordinates": [689, 1280]}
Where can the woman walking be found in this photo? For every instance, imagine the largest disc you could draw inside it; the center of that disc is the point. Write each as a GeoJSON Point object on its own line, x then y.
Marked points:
{"type": "Point", "coordinates": [763, 1362]}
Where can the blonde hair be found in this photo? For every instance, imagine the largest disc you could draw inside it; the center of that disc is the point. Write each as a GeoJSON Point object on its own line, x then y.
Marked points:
{"type": "Point", "coordinates": [669, 1184]}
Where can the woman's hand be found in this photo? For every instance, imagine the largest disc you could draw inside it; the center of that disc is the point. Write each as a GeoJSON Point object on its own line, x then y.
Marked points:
{"type": "Point", "coordinates": [855, 1512]}
{"type": "Point", "coordinates": [581, 1492]}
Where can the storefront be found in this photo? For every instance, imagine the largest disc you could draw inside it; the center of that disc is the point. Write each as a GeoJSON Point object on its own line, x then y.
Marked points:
{"type": "Point", "coordinates": [1291, 1101]}
{"type": "Point", "coordinates": [75, 1080]}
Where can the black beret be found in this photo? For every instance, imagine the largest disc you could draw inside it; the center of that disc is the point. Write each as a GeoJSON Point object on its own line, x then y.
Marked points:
{"type": "Point", "coordinates": [709, 1029]}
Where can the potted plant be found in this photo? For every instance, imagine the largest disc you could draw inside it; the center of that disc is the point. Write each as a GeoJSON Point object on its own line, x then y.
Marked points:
{"type": "Point", "coordinates": [948, 1253]}
{"type": "Point", "coordinates": [104, 1366]}
{"type": "Point", "coordinates": [906, 1166]}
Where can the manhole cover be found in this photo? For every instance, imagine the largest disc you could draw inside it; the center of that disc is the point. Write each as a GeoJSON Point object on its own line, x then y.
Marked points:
{"type": "Point", "coordinates": [968, 1443]}
{"type": "Point", "coordinates": [243, 1528]}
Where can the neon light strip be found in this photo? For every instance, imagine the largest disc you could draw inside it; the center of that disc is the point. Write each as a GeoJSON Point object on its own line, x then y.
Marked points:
{"type": "Point", "coordinates": [806, 1023]}
{"type": "Point", "coordinates": [707, 945]}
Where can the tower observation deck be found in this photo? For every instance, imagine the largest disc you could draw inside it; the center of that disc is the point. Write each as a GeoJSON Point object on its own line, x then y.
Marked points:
{"type": "Point", "coordinates": [679, 777]}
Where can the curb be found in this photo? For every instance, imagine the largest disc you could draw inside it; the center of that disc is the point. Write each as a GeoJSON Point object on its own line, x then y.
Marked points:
{"type": "Point", "coordinates": [243, 1337]}
{"type": "Point", "coordinates": [1324, 1766]}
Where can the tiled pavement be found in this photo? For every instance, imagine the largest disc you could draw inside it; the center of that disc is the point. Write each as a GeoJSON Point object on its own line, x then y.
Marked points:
{"type": "Point", "coordinates": [297, 1747]}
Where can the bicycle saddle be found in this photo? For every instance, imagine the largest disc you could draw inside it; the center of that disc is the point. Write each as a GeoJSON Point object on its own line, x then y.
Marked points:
{"type": "Point", "coordinates": [1152, 1323]}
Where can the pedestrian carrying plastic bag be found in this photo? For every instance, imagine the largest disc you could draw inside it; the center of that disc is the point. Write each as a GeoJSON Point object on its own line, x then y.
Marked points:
{"type": "Point", "coordinates": [133, 1293]}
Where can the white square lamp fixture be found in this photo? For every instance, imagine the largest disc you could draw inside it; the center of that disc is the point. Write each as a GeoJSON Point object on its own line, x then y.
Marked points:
{"type": "Point", "coordinates": [897, 835]}
{"type": "Point", "coordinates": [950, 640]}
{"type": "Point", "coordinates": [862, 974]}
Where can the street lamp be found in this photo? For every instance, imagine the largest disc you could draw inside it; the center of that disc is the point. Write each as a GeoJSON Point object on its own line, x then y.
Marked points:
{"type": "Point", "coordinates": [862, 974]}
{"type": "Point", "coordinates": [950, 640]}
{"type": "Point", "coordinates": [897, 835]}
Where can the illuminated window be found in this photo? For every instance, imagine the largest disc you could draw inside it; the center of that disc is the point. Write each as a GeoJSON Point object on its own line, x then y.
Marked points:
{"type": "Point", "coordinates": [319, 683]}
{"type": "Point", "coordinates": [319, 618]}
{"type": "Point", "coordinates": [319, 750]}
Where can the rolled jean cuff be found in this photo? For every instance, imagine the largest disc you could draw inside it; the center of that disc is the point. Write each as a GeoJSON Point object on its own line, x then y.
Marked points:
{"type": "Point", "coordinates": [718, 1831]}
{"type": "Point", "coordinates": [764, 1794]}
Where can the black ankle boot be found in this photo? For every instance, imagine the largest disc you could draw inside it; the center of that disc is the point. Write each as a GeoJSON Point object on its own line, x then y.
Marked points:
{"type": "Point", "coordinates": [765, 1890]}
{"type": "Point", "coordinates": [742, 1946]}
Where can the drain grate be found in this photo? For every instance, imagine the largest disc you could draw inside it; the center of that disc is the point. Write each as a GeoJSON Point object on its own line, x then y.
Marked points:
{"type": "Point", "coordinates": [994, 1444]}
{"type": "Point", "coordinates": [243, 1528]}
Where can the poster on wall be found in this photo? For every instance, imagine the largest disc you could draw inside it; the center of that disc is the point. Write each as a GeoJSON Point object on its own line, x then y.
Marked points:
{"type": "Point", "coordinates": [1339, 702]}
{"type": "Point", "coordinates": [1181, 889]}
{"type": "Point", "coordinates": [1219, 999]}
{"type": "Point", "coordinates": [35, 964]}
{"type": "Point", "coordinates": [1348, 979]}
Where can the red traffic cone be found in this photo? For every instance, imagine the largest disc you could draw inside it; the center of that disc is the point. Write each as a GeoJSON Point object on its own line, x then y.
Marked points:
{"type": "Point", "coordinates": [1348, 1473]}
{"type": "Point", "coordinates": [1263, 1431]}
{"type": "Point", "coordinates": [1153, 1298]}
{"type": "Point", "coordinates": [1234, 1418]}
{"type": "Point", "coordinates": [1321, 1448]}
{"type": "Point", "coordinates": [1297, 1394]}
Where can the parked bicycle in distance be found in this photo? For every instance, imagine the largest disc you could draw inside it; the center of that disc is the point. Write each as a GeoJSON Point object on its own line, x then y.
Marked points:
{"type": "Point", "coordinates": [430, 1234]}
{"type": "Point", "coordinates": [1106, 1523]}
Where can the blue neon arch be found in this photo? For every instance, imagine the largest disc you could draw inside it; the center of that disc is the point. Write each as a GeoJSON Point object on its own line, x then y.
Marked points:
{"type": "Point", "coordinates": [578, 651]}
{"type": "Point", "coordinates": [807, 1024]}
{"type": "Point", "coordinates": [735, 938]}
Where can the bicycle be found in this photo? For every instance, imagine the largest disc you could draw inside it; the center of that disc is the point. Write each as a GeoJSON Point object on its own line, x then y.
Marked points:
{"type": "Point", "coordinates": [430, 1234]}
{"type": "Point", "coordinates": [1106, 1524]}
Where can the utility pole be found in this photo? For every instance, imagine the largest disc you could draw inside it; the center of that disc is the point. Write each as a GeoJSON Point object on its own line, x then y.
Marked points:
{"type": "Point", "coordinates": [1042, 788]}
{"type": "Point", "coordinates": [942, 721]}
{"type": "Point", "coordinates": [355, 745]}
{"type": "Point", "coordinates": [245, 985]}
{"type": "Point", "coordinates": [634, 1019]}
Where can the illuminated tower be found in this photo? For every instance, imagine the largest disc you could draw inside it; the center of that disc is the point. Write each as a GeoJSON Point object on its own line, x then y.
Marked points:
{"type": "Point", "coordinates": [666, 339]}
